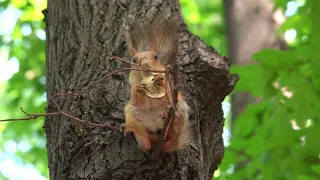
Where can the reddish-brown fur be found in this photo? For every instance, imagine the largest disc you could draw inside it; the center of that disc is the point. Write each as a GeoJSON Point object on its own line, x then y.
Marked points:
{"type": "Point", "coordinates": [142, 112]}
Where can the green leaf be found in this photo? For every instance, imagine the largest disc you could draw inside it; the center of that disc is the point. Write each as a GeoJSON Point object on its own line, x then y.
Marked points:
{"type": "Point", "coordinates": [316, 168]}
{"type": "Point", "coordinates": [275, 59]}
{"type": "Point", "coordinates": [251, 73]}
{"type": "Point", "coordinates": [229, 158]}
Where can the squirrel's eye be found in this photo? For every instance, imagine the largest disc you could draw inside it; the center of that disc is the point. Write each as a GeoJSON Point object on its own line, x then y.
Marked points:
{"type": "Point", "coordinates": [134, 59]}
{"type": "Point", "coordinates": [155, 57]}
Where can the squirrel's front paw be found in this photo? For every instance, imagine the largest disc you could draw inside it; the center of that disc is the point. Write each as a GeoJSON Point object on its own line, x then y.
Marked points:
{"type": "Point", "coordinates": [141, 89]}
{"type": "Point", "coordinates": [164, 115]}
{"type": "Point", "coordinates": [143, 142]}
{"type": "Point", "coordinates": [124, 128]}
{"type": "Point", "coordinates": [158, 80]}
{"type": "Point", "coordinates": [144, 146]}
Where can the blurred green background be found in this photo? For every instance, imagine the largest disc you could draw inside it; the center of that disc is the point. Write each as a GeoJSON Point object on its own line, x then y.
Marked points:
{"type": "Point", "coordinates": [276, 138]}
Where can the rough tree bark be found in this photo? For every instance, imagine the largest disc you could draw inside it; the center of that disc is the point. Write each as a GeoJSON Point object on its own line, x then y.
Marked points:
{"type": "Point", "coordinates": [251, 27]}
{"type": "Point", "coordinates": [77, 33]}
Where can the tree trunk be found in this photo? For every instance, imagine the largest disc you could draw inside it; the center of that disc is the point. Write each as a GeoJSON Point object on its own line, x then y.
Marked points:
{"type": "Point", "coordinates": [81, 36]}
{"type": "Point", "coordinates": [251, 27]}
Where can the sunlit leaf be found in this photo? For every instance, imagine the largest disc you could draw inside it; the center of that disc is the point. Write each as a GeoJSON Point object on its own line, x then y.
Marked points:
{"type": "Point", "coordinates": [275, 59]}
{"type": "Point", "coordinates": [250, 73]}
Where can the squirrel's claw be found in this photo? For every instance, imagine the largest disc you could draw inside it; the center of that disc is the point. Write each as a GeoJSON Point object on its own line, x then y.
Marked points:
{"type": "Point", "coordinates": [164, 115]}
{"type": "Point", "coordinates": [158, 80]}
{"type": "Point", "coordinates": [143, 143]}
{"type": "Point", "coordinates": [145, 146]}
{"type": "Point", "coordinates": [141, 89]}
{"type": "Point", "coordinates": [124, 129]}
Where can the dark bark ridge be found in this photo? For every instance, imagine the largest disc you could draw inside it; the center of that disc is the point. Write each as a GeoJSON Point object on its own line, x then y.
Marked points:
{"type": "Point", "coordinates": [77, 31]}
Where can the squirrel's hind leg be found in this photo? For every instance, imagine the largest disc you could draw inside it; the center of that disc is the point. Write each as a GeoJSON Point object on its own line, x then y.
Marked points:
{"type": "Point", "coordinates": [172, 142]}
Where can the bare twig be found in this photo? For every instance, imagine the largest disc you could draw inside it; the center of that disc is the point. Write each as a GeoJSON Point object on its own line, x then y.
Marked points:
{"type": "Point", "coordinates": [116, 71]}
{"type": "Point", "coordinates": [124, 60]}
{"type": "Point", "coordinates": [61, 113]}
{"type": "Point", "coordinates": [171, 114]}
{"type": "Point", "coordinates": [171, 110]}
{"type": "Point", "coordinates": [132, 63]}
{"type": "Point", "coordinates": [167, 85]}
{"type": "Point", "coordinates": [174, 73]}
{"type": "Point", "coordinates": [106, 125]}
{"type": "Point", "coordinates": [55, 103]}
{"type": "Point", "coordinates": [31, 116]}
{"type": "Point", "coordinates": [167, 128]}
{"type": "Point", "coordinates": [155, 153]}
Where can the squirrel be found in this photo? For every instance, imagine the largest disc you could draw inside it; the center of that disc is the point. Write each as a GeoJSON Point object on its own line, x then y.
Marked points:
{"type": "Point", "coordinates": [154, 46]}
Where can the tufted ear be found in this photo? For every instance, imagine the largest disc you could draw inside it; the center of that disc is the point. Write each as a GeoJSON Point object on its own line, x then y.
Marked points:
{"type": "Point", "coordinates": [154, 42]}
{"type": "Point", "coordinates": [131, 49]}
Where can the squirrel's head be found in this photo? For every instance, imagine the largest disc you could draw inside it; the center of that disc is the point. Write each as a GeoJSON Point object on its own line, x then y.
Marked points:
{"type": "Point", "coordinates": [154, 45]}
{"type": "Point", "coordinates": [148, 59]}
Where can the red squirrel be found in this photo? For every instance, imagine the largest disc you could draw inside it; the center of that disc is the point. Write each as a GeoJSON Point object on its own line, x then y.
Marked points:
{"type": "Point", "coordinates": [154, 46]}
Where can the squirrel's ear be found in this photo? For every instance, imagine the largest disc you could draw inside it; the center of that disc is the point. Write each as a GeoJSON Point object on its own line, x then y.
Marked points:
{"type": "Point", "coordinates": [154, 42]}
{"type": "Point", "coordinates": [132, 50]}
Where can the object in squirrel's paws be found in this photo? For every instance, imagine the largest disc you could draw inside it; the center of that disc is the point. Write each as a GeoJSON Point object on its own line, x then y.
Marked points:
{"type": "Point", "coordinates": [154, 90]}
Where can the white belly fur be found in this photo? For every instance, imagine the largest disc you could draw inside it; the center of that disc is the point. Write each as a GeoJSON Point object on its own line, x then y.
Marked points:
{"type": "Point", "coordinates": [150, 117]}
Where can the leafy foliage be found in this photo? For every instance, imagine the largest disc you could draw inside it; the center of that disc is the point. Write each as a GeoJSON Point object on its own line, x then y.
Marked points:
{"type": "Point", "coordinates": [276, 138]}
{"type": "Point", "coordinates": [205, 19]}
{"type": "Point", "coordinates": [22, 44]}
